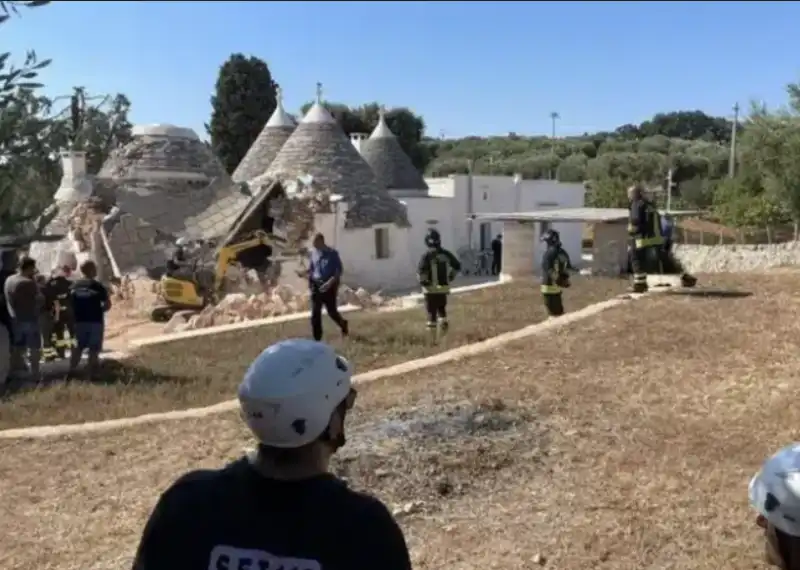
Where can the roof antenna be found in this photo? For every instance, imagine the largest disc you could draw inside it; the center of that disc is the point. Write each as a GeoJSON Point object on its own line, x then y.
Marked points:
{"type": "Point", "coordinates": [319, 92]}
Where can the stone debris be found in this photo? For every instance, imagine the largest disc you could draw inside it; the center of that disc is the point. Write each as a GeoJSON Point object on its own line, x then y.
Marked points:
{"type": "Point", "coordinates": [277, 301]}
{"type": "Point", "coordinates": [134, 296]}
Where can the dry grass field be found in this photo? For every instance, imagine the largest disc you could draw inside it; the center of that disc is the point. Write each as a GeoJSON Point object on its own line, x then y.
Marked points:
{"type": "Point", "coordinates": [624, 441]}
{"type": "Point", "coordinates": [206, 370]}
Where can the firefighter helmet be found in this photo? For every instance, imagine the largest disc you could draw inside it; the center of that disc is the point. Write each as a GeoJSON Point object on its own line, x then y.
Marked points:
{"type": "Point", "coordinates": [775, 490]}
{"type": "Point", "coordinates": [432, 238]}
{"type": "Point", "coordinates": [551, 237]}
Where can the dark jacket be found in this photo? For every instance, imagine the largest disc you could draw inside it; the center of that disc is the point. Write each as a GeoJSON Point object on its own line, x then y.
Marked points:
{"type": "Point", "coordinates": [57, 290]}
{"type": "Point", "coordinates": [436, 270]}
{"type": "Point", "coordinates": [555, 263]}
{"type": "Point", "coordinates": [644, 224]}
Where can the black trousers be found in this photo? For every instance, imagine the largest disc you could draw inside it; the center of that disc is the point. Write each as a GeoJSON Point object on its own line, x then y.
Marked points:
{"type": "Point", "coordinates": [554, 303]}
{"type": "Point", "coordinates": [436, 307]}
{"type": "Point", "coordinates": [496, 257]}
{"type": "Point", "coordinates": [327, 299]}
{"type": "Point", "coordinates": [641, 262]}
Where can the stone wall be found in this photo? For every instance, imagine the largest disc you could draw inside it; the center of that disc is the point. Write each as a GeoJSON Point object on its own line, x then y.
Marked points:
{"type": "Point", "coordinates": [737, 258]}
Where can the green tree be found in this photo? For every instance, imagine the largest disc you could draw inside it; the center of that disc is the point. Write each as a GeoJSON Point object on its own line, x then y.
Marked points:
{"type": "Point", "coordinates": [244, 99]}
{"type": "Point", "coordinates": [19, 132]}
{"type": "Point", "coordinates": [771, 146]}
{"type": "Point", "coordinates": [607, 192]}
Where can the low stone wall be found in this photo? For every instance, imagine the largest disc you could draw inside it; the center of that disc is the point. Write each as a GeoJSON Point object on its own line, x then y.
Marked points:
{"type": "Point", "coordinates": [737, 258]}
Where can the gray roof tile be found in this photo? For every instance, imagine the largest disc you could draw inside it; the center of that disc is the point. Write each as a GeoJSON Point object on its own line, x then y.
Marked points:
{"type": "Point", "coordinates": [389, 162]}
{"type": "Point", "coordinates": [319, 148]}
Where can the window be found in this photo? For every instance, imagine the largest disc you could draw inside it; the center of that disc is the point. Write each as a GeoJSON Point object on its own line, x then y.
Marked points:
{"type": "Point", "coordinates": [382, 243]}
{"type": "Point", "coordinates": [485, 196]}
{"type": "Point", "coordinates": [485, 235]}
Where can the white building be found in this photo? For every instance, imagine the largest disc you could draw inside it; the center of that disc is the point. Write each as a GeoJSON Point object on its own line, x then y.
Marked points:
{"type": "Point", "coordinates": [453, 199]}
{"type": "Point", "coordinates": [367, 198]}
{"type": "Point", "coordinates": [383, 207]}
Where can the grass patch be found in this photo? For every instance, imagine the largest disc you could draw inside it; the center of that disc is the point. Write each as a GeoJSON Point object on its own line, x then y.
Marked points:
{"type": "Point", "coordinates": [206, 370]}
{"type": "Point", "coordinates": [618, 442]}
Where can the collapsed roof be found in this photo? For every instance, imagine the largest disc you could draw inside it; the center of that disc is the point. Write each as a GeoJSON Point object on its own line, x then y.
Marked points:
{"type": "Point", "coordinates": [169, 178]}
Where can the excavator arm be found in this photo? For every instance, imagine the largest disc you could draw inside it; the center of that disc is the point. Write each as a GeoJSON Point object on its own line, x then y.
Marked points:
{"type": "Point", "coordinates": [227, 254]}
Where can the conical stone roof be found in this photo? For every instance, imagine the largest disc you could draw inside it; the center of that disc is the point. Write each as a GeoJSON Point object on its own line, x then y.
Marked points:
{"type": "Point", "coordinates": [319, 148]}
{"type": "Point", "coordinates": [170, 179]}
{"type": "Point", "coordinates": [388, 160]}
{"type": "Point", "coordinates": [269, 142]}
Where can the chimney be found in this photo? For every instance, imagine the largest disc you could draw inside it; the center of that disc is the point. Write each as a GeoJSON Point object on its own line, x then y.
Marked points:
{"type": "Point", "coordinates": [75, 185]}
{"type": "Point", "coordinates": [357, 139]}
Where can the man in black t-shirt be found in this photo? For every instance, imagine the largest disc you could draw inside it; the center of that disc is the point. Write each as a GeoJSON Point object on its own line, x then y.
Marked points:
{"type": "Point", "coordinates": [90, 301]}
{"type": "Point", "coordinates": [278, 507]}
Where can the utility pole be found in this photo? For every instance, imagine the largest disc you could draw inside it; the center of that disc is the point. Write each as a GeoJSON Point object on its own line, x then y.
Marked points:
{"type": "Point", "coordinates": [734, 127]}
{"type": "Point", "coordinates": [470, 201]}
{"type": "Point", "coordinates": [554, 116]}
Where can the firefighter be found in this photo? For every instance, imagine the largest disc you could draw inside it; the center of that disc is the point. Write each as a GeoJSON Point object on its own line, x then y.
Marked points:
{"type": "Point", "coordinates": [669, 263]}
{"type": "Point", "coordinates": [555, 276]}
{"type": "Point", "coordinates": [644, 232]}
{"type": "Point", "coordinates": [56, 317]}
{"type": "Point", "coordinates": [436, 270]}
{"type": "Point", "coordinates": [47, 318]}
{"type": "Point", "coordinates": [58, 288]}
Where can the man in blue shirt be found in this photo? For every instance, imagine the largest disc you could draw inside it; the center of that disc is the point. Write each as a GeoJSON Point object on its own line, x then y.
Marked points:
{"type": "Point", "coordinates": [324, 275]}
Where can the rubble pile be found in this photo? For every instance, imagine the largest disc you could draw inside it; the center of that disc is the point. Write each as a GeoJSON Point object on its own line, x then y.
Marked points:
{"type": "Point", "coordinates": [135, 296]}
{"type": "Point", "coordinates": [279, 300]}
{"type": "Point", "coordinates": [84, 221]}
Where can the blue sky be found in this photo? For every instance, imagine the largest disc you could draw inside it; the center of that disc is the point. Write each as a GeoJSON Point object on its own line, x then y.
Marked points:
{"type": "Point", "coordinates": [475, 68]}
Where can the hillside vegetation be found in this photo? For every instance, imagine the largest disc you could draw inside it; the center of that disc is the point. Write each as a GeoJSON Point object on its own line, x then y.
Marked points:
{"type": "Point", "coordinates": [695, 145]}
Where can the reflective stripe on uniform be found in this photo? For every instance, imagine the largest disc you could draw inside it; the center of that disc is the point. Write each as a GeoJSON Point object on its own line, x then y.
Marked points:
{"type": "Point", "coordinates": [551, 289]}
{"type": "Point", "coordinates": [640, 277]}
{"type": "Point", "coordinates": [649, 242]}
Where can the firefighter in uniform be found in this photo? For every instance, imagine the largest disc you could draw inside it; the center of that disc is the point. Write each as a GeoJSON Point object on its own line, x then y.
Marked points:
{"type": "Point", "coordinates": [555, 275]}
{"type": "Point", "coordinates": [436, 270]}
{"type": "Point", "coordinates": [644, 232]}
{"type": "Point", "coordinates": [59, 315]}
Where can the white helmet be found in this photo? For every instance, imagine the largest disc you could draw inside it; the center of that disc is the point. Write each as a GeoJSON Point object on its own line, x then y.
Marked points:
{"type": "Point", "coordinates": [181, 241]}
{"type": "Point", "coordinates": [775, 490]}
{"type": "Point", "coordinates": [291, 390]}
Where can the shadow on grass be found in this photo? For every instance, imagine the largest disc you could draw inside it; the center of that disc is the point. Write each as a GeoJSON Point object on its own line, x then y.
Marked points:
{"type": "Point", "coordinates": [711, 293]}
{"type": "Point", "coordinates": [112, 373]}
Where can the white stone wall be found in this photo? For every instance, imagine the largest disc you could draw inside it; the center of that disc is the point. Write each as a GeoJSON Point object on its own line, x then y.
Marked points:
{"type": "Point", "coordinates": [737, 258]}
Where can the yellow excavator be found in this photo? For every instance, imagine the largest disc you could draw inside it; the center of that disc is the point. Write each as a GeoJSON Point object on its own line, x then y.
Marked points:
{"type": "Point", "coordinates": [192, 288]}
